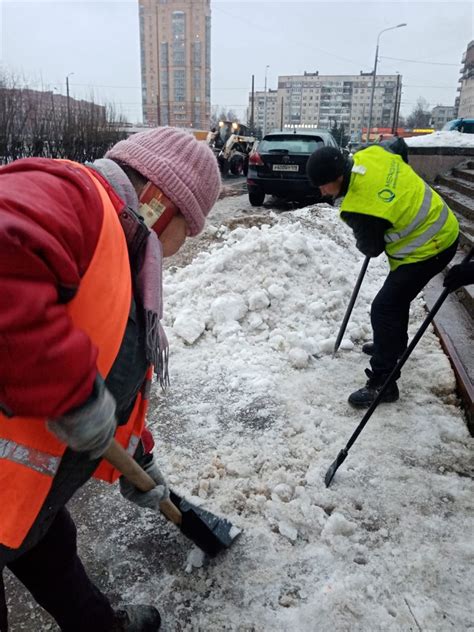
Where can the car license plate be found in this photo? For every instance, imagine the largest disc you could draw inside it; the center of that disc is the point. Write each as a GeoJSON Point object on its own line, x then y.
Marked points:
{"type": "Point", "coordinates": [285, 167]}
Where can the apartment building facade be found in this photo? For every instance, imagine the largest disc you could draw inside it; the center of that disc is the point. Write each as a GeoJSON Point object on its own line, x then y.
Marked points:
{"type": "Point", "coordinates": [464, 104]}
{"type": "Point", "coordinates": [314, 100]}
{"type": "Point", "coordinates": [440, 115]}
{"type": "Point", "coordinates": [265, 103]}
{"type": "Point", "coordinates": [175, 48]}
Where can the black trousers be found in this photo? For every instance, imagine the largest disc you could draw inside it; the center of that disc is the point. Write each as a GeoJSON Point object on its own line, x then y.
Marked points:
{"type": "Point", "coordinates": [55, 576]}
{"type": "Point", "coordinates": [390, 308]}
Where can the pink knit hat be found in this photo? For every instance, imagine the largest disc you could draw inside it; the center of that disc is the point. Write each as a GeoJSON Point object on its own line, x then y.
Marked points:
{"type": "Point", "coordinates": [183, 168]}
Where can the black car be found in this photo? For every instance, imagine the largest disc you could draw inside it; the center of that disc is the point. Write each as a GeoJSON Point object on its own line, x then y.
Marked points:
{"type": "Point", "coordinates": [277, 165]}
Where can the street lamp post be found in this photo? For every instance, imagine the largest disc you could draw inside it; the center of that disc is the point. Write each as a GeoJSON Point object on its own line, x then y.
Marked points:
{"type": "Point", "coordinates": [265, 103]}
{"type": "Point", "coordinates": [68, 109]}
{"type": "Point", "coordinates": [374, 75]}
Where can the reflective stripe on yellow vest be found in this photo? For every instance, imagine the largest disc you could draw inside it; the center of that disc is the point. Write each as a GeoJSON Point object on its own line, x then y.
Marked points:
{"type": "Point", "coordinates": [383, 185]}
{"type": "Point", "coordinates": [29, 454]}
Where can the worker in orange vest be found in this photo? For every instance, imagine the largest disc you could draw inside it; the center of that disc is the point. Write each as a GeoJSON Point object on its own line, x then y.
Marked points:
{"type": "Point", "coordinates": [81, 250]}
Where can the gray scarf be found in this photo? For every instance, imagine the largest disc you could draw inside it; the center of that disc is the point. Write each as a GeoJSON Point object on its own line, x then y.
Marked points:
{"type": "Point", "coordinates": [146, 257]}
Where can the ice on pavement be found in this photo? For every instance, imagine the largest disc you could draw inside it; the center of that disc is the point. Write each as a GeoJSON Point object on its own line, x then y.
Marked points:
{"type": "Point", "coordinates": [256, 413]}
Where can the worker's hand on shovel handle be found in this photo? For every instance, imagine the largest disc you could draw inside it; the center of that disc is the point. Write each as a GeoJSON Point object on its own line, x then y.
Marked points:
{"type": "Point", "coordinates": [89, 428]}
{"type": "Point", "coordinates": [155, 496]}
{"type": "Point", "coordinates": [209, 532]}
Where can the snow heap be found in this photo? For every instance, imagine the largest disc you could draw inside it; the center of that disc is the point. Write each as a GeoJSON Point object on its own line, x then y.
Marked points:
{"type": "Point", "coordinates": [256, 413]}
{"type": "Point", "coordinates": [442, 139]}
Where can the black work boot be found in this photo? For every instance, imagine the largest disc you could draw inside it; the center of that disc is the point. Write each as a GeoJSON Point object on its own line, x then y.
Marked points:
{"type": "Point", "coordinates": [137, 619]}
{"type": "Point", "coordinates": [368, 348]}
{"type": "Point", "coordinates": [364, 397]}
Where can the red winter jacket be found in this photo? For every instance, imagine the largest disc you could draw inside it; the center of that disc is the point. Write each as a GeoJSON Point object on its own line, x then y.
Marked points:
{"type": "Point", "coordinates": [50, 219]}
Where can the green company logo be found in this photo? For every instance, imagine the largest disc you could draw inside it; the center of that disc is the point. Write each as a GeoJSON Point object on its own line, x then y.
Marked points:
{"type": "Point", "coordinates": [386, 195]}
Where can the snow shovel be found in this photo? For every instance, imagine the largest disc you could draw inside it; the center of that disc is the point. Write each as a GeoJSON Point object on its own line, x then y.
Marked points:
{"type": "Point", "coordinates": [341, 457]}
{"type": "Point", "coordinates": [209, 532]}
{"type": "Point", "coordinates": [350, 307]}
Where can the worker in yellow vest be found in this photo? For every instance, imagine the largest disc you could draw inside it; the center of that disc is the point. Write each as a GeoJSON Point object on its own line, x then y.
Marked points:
{"type": "Point", "coordinates": [81, 250]}
{"type": "Point", "coordinates": [389, 208]}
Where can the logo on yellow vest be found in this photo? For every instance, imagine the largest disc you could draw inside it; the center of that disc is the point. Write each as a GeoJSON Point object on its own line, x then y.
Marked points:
{"type": "Point", "coordinates": [386, 195]}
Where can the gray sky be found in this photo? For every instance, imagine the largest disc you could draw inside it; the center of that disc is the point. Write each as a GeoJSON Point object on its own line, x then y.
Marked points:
{"type": "Point", "coordinates": [99, 43]}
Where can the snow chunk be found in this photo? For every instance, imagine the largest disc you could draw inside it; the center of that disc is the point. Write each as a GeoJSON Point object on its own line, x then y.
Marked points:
{"type": "Point", "coordinates": [346, 344]}
{"type": "Point", "coordinates": [258, 300]}
{"type": "Point", "coordinates": [296, 243]}
{"type": "Point", "coordinates": [228, 307]}
{"type": "Point", "coordinates": [188, 327]}
{"type": "Point", "coordinates": [255, 321]}
{"type": "Point", "coordinates": [277, 342]}
{"type": "Point", "coordinates": [195, 559]}
{"type": "Point", "coordinates": [276, 291]}
{"type": "Point", "coordinates": [317, 308]}
{"type": "Point", "coordinates": [283, 492]}
{"type": "Point", "coordinates": [299, 358]}
{"type": "Point", "coordinates": [287, 530]}
{"type": "Point", "coordinates": [327, 345]}
{"type": "Point", "coordinates": [338, 525]}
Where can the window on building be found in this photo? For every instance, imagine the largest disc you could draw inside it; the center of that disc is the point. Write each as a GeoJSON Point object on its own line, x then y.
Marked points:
{"type": "Point", "coordinates": [164, 61]}
{"type": "Point", "coordinates": [164, 85]}
{"type": "Point", "coordinates": [197, 80]}
{"type": "Point", "coordinates": [179, 77]}
{"type": "Point", "coordinates": [197, 54]}
{"type": "Point", "coordinates": [208, 41]}
{"type": "Point", "coordinates": [178, 26]}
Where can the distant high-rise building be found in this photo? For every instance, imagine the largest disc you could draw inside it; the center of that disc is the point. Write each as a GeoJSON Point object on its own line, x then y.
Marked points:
{"type": "Point", "coordinates": [175, 46]}
{"type": "Point", "coordinates": [464, 103]}
{"type": "Point", "coordinates": [314, 100]}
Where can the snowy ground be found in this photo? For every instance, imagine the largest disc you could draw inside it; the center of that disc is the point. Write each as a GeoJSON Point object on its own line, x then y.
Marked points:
{"type": "Point", "coordinates": [256, 413]}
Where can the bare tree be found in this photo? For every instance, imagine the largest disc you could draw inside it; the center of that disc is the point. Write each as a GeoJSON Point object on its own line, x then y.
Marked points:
{"type": "Point", "coordinates": [221, 114]}
{"type": "Point", "coordinates": [420, 116]}
{"type": "Point", "coordinates": [42, 124]}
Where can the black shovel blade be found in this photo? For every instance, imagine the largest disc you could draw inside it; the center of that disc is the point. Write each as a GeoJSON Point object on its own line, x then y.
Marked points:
{"type": "Point", "coordinates": [209, 532]}
{"type": "Point", "coordinates": [341, 457]}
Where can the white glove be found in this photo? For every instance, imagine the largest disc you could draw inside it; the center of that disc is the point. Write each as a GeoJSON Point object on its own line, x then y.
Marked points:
{"type": "Point", "coordinates": [149, 499]}
{"type": "Point", "coordinates": [91, 427]}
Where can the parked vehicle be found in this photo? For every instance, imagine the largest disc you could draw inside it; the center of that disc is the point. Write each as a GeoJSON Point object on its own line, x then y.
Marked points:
{"type": "Point", "coordinates": [465, 125]}
{"type": "Point", "coordinates": [277, 165]}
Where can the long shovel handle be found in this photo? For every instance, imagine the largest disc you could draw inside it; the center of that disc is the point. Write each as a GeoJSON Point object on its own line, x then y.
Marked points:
{"type": "Point", "coordinates": [117, 456]}
{"type": "Point", "coordinates": [350, 307]}
{"type": "Point", "coordinates": [431, 314]}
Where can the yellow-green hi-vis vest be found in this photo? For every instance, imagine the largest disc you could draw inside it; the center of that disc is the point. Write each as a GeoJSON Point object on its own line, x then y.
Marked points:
{"type": "Point", "coordinates": [384, 186]}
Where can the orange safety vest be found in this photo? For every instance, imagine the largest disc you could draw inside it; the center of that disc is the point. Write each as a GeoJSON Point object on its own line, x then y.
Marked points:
{"type": "Point", "coordinates": [29, 454]}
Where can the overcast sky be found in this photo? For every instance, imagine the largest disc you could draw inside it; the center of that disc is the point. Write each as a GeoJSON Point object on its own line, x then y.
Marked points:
{"type": "Point", "coordinates": [99, 43]}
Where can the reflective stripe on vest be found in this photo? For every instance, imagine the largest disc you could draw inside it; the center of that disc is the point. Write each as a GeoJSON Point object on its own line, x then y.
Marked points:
{"type": "Point", "coordinates": [29, 454]}
{"type": "Point", "coordinates": [29, 457]}
{"type": "Point", "coordinates": [419, 218]}
{"type": "Point", "coordinates": [425, 237]}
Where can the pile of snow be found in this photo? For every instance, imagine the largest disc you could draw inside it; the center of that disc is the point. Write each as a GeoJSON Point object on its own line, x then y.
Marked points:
{"type": "Point", "coordinates": [441, 139]}
{"type": "Point", "coordinates": [256, 413]}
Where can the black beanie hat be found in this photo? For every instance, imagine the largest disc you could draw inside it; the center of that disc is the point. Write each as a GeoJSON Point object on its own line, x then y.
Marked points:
{"type": "Point", "coordinates": [325, 165]}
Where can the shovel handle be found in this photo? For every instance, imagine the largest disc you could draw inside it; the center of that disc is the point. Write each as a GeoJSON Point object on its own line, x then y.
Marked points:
{"type": "Point", "coordinates": [128, 467]}
{"type": "Point", "coordinates": [350, 307]}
